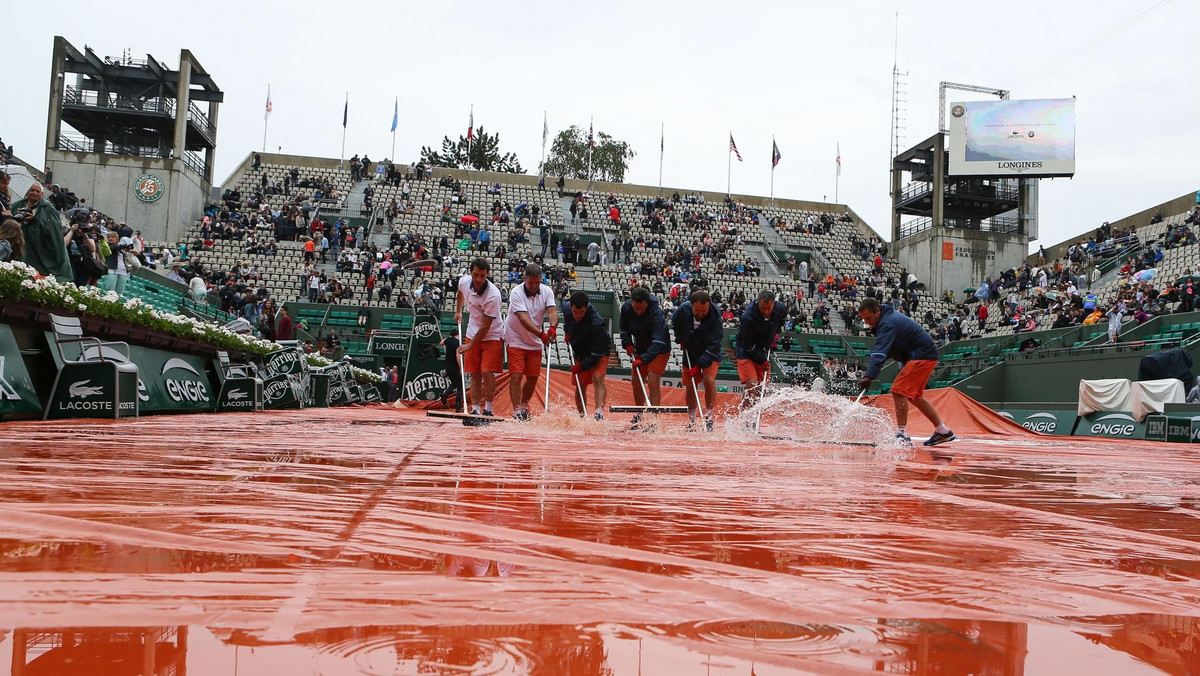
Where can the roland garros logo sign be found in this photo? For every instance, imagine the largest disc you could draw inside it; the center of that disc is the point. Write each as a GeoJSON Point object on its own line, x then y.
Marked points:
{"type": "Point", "coordinates": [148, 188]}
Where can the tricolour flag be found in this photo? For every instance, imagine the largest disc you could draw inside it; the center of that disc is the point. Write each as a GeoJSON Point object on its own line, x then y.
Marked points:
{"type": "Point", "coordinates": [396, 114]}
{"type": "Point", "coordinates": [733, 148]}
{"type": "Point", "coordinates": [775, 156]}
{"type": "Point", "coordinates": [268, 113]}
{"type": "Point", "coordinates": [839, 159]}
{"type": "Point", "coordinates": [471, 125]}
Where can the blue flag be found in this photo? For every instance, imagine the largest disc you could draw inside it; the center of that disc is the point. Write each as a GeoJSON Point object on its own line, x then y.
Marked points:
{"type": "Point", "coordinates": [346, 112]}
{"type": "Point", "coordinates": [396, 114]}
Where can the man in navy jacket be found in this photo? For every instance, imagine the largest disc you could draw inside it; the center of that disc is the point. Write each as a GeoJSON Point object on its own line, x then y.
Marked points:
{"type": "Point", "coordinates": [756, 336]}
{"type": "Point", "coordinates": [646, 339]}
{"type": "Point", "coordinates": [698, 330]}
{"type": "Point", "coordinates": [587, 334]}
{"type": "Point", "coordinates": [904, 340]}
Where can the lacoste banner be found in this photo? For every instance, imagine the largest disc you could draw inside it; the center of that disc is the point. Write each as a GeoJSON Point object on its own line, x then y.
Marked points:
{"type": "Point", "coordinates": [285, 378]}
{"type": "Point", "coordinates": [16, 389]}
{"type": "Point", "coordinates": [169, 382]}
{"type": "Point", "coordinates": [371, 394]}
{"type": "Point", "coordinates": [90, 390]}
{"type": "Point", "coordinates": [424, 377]}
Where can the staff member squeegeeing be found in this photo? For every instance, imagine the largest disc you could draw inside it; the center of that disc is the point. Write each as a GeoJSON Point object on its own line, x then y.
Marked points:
{"type": "Point", "coordinates": [757, 334]}
{"type": "Point", "coordinates": [646, 339]}
{"type": "Point", "coordinates": [528, 304]}
{"type": "Point", "coordinates": [587, 334]}
{"type": "Point", "coordinates": [904, 340]}
{"type": "Point", "coordinates": [698, 330]}
{"type": "Point", "coordinates": [482, 353]}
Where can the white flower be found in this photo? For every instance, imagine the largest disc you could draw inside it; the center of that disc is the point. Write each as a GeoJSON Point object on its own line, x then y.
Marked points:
{"type": "Point", "coordinates": [82, 306]}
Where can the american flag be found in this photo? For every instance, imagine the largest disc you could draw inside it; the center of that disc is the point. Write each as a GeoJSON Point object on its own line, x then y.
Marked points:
{"type": "Point", "coordinates": [733, 148]}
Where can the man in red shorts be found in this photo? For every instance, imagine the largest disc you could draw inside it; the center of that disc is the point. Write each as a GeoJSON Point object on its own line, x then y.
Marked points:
{"type": "Point", "coordinates": [756, 336]}
{"type": "Point", "coordinates": [483, 351]}
{"type": "Point", "coordinates": [904, 340]}
{"type": "Point", "coordinates": [647, 340]}
{"type": "Point", "coordinates": [587, 334]}
{"type": "Point", "coordinates": [528, 304]}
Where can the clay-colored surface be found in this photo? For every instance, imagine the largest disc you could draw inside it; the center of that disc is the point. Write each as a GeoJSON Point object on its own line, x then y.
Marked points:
{"type": "Point", "coordinates": [378, 541]}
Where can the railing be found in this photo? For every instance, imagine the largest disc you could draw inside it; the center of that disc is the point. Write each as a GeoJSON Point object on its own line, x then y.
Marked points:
{"type": "Point", "coordinates": [89, 99]}
{"type": "Point", "coordinates": [994, 224]}
{"type": "Point", "coordinates": [914, 189]}
{"type": "Point", "coordinates": [915, 226]}
{"type": "Point", "coordinates": [201, 119]}
{"type": "Point", "coordinates": [194, 161]}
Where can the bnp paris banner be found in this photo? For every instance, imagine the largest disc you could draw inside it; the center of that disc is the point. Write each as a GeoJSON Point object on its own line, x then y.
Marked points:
{"type": "Point", "coordinates": [285, 378]}
{"type": "Point", "coordinates": [169, 382]}
{"type": "Point", "coordinates": [16, 388]}
{"type": "Point", "coordinates": [424, 375]}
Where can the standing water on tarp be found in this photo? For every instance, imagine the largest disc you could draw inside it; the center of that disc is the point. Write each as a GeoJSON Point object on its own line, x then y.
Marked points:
{"type": "Point", "coordinates": [799, 416]}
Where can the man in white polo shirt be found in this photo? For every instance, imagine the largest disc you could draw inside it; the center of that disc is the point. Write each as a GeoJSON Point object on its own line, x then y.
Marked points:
{"type": "Point", "coordinates": [483, 351]}
{"type": "Point", "coordinates": [528, 303]}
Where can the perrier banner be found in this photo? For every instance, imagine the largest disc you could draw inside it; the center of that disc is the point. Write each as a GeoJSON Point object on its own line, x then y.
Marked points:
{"type": "Point", "coordinates": [285, 379]}
{"type": "Point", "coordinates": [424, 374]}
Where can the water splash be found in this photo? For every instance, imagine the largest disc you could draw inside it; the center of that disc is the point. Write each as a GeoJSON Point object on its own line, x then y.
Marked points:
{"type": "Point", "coordinates": [797, 416]}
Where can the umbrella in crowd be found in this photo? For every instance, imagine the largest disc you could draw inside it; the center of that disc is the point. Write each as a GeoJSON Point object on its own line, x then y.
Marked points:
{"type": "Point", "coordinates": [1186, 278]}
{"type": "Point", "coordinates": [1055, 295]}
{"type": "Point", "coordinates": [470, 218]}
{"type": "Point", "coordinates": [1145, 275]}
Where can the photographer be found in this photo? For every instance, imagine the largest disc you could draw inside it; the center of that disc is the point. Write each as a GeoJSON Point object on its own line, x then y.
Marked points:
{"type": "Point", "coordinates": [44, 238]}
{"type": "Point", "coordinates": [81, 254]}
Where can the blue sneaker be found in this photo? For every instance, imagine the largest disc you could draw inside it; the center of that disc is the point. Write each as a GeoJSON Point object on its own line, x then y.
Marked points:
{"type": "Point", "coordinates": [940, 439]}
{"type": "Point", "coordinates": [903, 439]}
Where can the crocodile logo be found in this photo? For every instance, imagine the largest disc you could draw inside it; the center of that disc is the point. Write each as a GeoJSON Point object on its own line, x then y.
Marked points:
{"type": "Point", "coordinates": [236, 394]}
{"type": "Point", "coordinates": [81, 390]}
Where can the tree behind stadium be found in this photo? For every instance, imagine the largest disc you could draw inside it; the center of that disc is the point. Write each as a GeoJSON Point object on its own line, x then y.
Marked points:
{"type": "Point", "coordinates": [484, 154]}
{"type": "Point", "coordinates": [569, 156]}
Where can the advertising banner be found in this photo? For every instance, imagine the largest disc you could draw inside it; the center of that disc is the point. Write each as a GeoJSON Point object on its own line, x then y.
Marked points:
{"type": "Point", "coordinates": [17, 394]}
{"type": "Point", "coordinates": [285, 377]}
{"type": "Point", "coordinates": [424, 373]}
{"type": "Point", "coordinates": [1045, 421]}
{"type": "Point", "coordinates": [169, 382]}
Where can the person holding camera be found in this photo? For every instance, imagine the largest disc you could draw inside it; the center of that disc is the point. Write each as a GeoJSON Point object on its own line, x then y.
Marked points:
{"type": "Point", "coordinates": [81, 255]}
{"type": "Point", "coordinates": [45, 246]}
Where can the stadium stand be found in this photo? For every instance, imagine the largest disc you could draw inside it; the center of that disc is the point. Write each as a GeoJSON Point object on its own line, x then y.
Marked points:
{"type": "Point", "coordinates": [400, 238]}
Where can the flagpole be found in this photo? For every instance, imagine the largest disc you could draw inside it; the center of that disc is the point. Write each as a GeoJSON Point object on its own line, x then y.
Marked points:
{"type": "Point", "coordinates": [772, 171]}
{"type": "Point", "coordinates": [661, 149]}
{"type": "Point", "coordinates": [591, 144]}
{"type": "Point", "coordinates": [267, 117]}
{"type": "Point", "coordinates": [837, 177]}
{"type": "Point", "coordinates": [345, 118]}
{"type": "Point", "coordinates": [395, 114]}
{"type": "Point", "coordinates": [470, 139]}
{"type": "Point", "coordinates": [729, 167]}
{"type": "Point", "coordinates": [545, 128]}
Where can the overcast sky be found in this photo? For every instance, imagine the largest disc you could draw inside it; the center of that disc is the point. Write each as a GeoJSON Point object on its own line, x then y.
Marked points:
{"type": "Point", "coordinates": [810, 74]}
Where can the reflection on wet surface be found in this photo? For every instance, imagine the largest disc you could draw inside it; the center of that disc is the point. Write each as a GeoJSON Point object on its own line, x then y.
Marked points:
{"type": "Point", "coordinates": [372, 541]}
